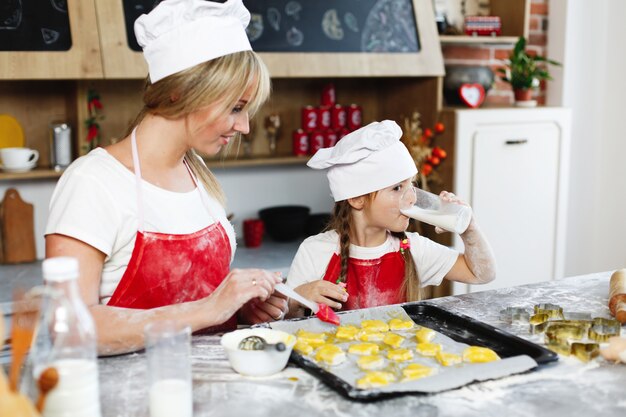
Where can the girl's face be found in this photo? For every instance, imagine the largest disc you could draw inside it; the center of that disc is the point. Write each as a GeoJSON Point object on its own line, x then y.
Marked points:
{"type": "Point", "coordinates": [209, 138]}
{"type": "Point", "coordinates": [384, 209]}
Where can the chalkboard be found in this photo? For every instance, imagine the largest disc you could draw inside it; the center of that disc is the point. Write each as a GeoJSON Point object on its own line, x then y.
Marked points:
{"type": "Point", "coordinates": [29, 25]}
{"type": "Point", "coordinates": [317, 25]}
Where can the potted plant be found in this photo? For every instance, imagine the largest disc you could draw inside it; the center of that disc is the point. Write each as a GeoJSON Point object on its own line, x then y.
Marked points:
{"type": "Point", "coordinates": [524, 71]}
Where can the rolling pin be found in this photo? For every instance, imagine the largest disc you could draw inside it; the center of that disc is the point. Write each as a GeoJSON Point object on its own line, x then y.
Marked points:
{"type": "Point", "coordinates": [617, 295]}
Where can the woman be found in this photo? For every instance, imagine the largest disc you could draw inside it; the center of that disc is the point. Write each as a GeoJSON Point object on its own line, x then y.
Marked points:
{"type": "Point", "coordinates": [144, 216]}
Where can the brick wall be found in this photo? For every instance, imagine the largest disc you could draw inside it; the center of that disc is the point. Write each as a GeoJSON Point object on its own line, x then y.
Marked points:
{"type": "Point", "coordinates": [492, 55]}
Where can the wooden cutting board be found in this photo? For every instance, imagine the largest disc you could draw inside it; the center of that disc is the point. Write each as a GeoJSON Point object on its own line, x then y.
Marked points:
{"type": "Point", "coordinates": [17, 231]}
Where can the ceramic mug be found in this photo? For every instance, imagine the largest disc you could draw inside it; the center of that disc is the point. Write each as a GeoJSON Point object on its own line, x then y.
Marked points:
{"type": "Point", "coordinates": [18, 158]}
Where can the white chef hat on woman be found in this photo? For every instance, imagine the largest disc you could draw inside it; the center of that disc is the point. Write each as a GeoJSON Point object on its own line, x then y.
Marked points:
{"type": "Point", "coordinates": [366, 160]}
{"type": "Point", "coordinates": [179, 34]}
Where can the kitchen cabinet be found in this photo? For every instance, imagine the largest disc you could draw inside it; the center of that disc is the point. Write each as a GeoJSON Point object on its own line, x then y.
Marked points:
{"type": "Point", "coordinates": [82, 60]}
{"type": "Point", "coordinates": [511, 166]}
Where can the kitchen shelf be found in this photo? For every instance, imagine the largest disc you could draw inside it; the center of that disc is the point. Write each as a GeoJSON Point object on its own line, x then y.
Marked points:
{"type": "Point", "coordinates": [244, 162]}
{"type": "Point", "coordinates": [35, 174]}
{"type": "Point", "coordinates": [476, 40]}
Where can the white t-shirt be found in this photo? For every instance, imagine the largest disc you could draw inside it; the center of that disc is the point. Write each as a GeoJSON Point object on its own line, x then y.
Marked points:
{"type": "Point", "coordinates": [95, 202]}
{"type": "Point", "coordinates": [433, 261]}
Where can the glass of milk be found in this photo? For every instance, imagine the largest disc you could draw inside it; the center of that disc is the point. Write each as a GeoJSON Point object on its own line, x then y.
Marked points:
{"type": "Point", "coordinates": [168, 348]}
{"type": "Point", "coordinates": [432, 209]}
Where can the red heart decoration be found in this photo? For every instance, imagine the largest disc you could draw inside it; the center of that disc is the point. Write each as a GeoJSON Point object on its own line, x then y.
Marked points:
{"type": "Point", "coordinates": [472, 95]}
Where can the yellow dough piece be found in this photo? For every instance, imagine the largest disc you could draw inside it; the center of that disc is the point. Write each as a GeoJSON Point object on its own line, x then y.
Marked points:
{"type": "Point", "coordinates": [311, 338]}
{"type": "Point", "coordinates": [330, 354]}
{"type": "Point", "coordinates": [399, 324]}
{"type": "Point", "coordinates": [448, 359]}
{"type": "Point", "coordinates": [364, 349]}
{"type": "Point", "coordinates": [346, 332]}
{"type": "Point", "coordinates": [400, 355]}
{"type": "Point", "coordinates": [428, 349]}
{"type": "Point", "coordinates": [424, 335]}
{"type": "Point", "coordinates": [375, 325]}
{"type": "Point", "coordinates": [370, 362]}
{"type": "Point", "coordinates": [375, 379]}
{"type": "Point", "coordinates": [370, 336]}
{"type": "Point", "coordinates": [477, 354]}
{"type": "Point", "coordinates": [416, 371]}
{"type": "Point", "coordinates": [303, 347]}
{"type": "Point", "coordinates": [393, 340]}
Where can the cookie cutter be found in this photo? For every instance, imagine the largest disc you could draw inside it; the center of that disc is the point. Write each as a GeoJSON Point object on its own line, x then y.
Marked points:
{"type": "Point", "coordinates": [538, 323]}
{"type": "Point", "coordinates": [576, 315]}
{"type": "Point", "coordinates": [552, 310]}
{"type": "Point", "coordinates": [513, 315]}
{"type": "Point", "coordinates": [585, 351]}
{"type": "Point", "coordinates": [602, 329]}
{"type": "Point", "coordinates": [558, 335]}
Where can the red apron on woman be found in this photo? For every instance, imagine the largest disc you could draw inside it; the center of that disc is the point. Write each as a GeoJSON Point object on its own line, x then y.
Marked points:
{"type": "Point", "coordinates": [167, 269]}
{"type": "Point", "coordinates": [370, 282]}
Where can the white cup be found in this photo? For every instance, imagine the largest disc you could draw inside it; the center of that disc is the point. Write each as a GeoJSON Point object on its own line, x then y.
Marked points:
{"type": "Point", "coordinates": [430, 208]}
{"type": "Point", "coordinates": [18, 158]}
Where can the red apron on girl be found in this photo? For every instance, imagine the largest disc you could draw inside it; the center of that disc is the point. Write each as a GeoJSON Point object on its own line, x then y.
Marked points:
{"type": "Point", "coordinates": [167, 269]}
{"type": "Point", "coordinates": [370, 282]}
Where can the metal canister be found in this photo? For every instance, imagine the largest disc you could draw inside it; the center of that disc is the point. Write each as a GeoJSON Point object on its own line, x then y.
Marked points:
{"type": "Point", "coordinates": [355, 117]}
{"type": "Point", "coordinates": [330, 138]}
{"type": "Point", "coordinates": [338, 117]}
{"type": "Point", "coordinates": [300, 142]}
{"type": "Point", "coordinates": [328, 95]}
{"type": "Point", "coordinates": [323, 117]}
{"type": "Point", "coordinates": [316, 141]}
{"type": "Point", "coordinates": [60, 145]}
{"type": "Point", "coordinates": [309, 118]}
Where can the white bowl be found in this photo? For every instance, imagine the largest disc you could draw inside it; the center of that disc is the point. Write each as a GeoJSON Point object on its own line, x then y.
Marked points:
{"type": "Point", "coordinates": [258, 362]}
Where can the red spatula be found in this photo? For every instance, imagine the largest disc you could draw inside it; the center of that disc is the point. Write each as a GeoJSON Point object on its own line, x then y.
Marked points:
{"type": "Point", "coordinates": [322, 311]}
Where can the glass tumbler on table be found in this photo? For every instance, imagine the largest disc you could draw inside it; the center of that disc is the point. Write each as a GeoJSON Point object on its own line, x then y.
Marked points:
{"type": "Point", "coordinates": [168, 348]}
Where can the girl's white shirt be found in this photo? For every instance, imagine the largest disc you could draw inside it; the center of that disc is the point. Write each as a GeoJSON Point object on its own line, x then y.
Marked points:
{"type": "Point", "coordinates": [433, 260]}
{"type": "Point", "coordinates": [95, 202]}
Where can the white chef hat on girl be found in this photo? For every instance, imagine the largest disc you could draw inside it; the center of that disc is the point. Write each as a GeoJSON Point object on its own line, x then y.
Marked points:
{"type": "Point", "coordinates": [366, 160]}
{"type": "Point", "coordinates": [179, 34]}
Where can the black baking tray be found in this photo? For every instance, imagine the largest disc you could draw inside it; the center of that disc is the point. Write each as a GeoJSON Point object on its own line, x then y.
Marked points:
{"type": "Point", "coordinates": [458, 327]}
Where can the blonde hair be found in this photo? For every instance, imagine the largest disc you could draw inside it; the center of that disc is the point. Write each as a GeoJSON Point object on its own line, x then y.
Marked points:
{"type": "Point", "coordinates": [221, 81]}
{"type": "Point", "coordinates": [342, 222]}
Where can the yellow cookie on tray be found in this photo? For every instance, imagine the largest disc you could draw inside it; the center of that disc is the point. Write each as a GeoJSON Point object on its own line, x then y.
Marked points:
{"type": "Point", "coordinates": [375, 325]}
{"type": "Point", "coordinates": [424, 334]}
{"type": "Point", "coordinates": [428, 349]}
{"type": "Point", "coordinates": [348, 332]}
{"type": "Point", "coordinates": [302, 347]}
{"type": "Point", "coordinates": [415, 371]}
{"type": "Point", "coordinates": [370, 336]}
{"type": "Point", "coordinates": [400, 355]}
{"type": "Point", "coordinates": [330, 354]}
{"type": "Point", "coordinates": [370, 362]}
{"type": "Point", "coordinates": [477, 354]}
{"type": "Point", "coordinates": [375, 379]}
{"type": "Point", "coordinates": [399, 324]}
{"type": "Point", "coordinates": [393, 339]}
{"type": "Point", "coordinates": [311, 338]}
{"type": "Point", "coordinates": [448, 359]}
{"type": "Point", "coordinates": [364, 349]}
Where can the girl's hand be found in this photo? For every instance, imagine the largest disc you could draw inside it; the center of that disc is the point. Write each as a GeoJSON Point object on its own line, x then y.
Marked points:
{"type": "Point", "coordinates": [449, 197]}
{"type": "Point", "coordinates": [239, 287]}
{"type": "Point", "coordinates": [323, 292]}
{"type": "Point", "coordinates": [255, 311]}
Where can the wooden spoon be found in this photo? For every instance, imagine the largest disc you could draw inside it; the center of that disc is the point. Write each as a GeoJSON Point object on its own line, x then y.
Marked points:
{"type": "Point", "coordinates": [22, 330]}
{"type": "Point", "coordinates": [48, 379]}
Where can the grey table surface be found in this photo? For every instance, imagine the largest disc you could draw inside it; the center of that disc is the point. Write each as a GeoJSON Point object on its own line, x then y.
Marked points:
{"type": "Point", "coordinates": [564, 388]}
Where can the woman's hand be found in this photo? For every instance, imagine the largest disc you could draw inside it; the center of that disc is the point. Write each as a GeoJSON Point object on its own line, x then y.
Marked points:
{"type": "Point", "coordinates": [238, 288]}
{"type": "Point", "coordinates": [323, 292]}
{"type": "Point", "coordinates": [274, 308]}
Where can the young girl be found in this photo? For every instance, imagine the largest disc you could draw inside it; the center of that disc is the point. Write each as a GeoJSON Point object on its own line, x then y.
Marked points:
{"type": "Point", "coordinates": [366, 258]}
